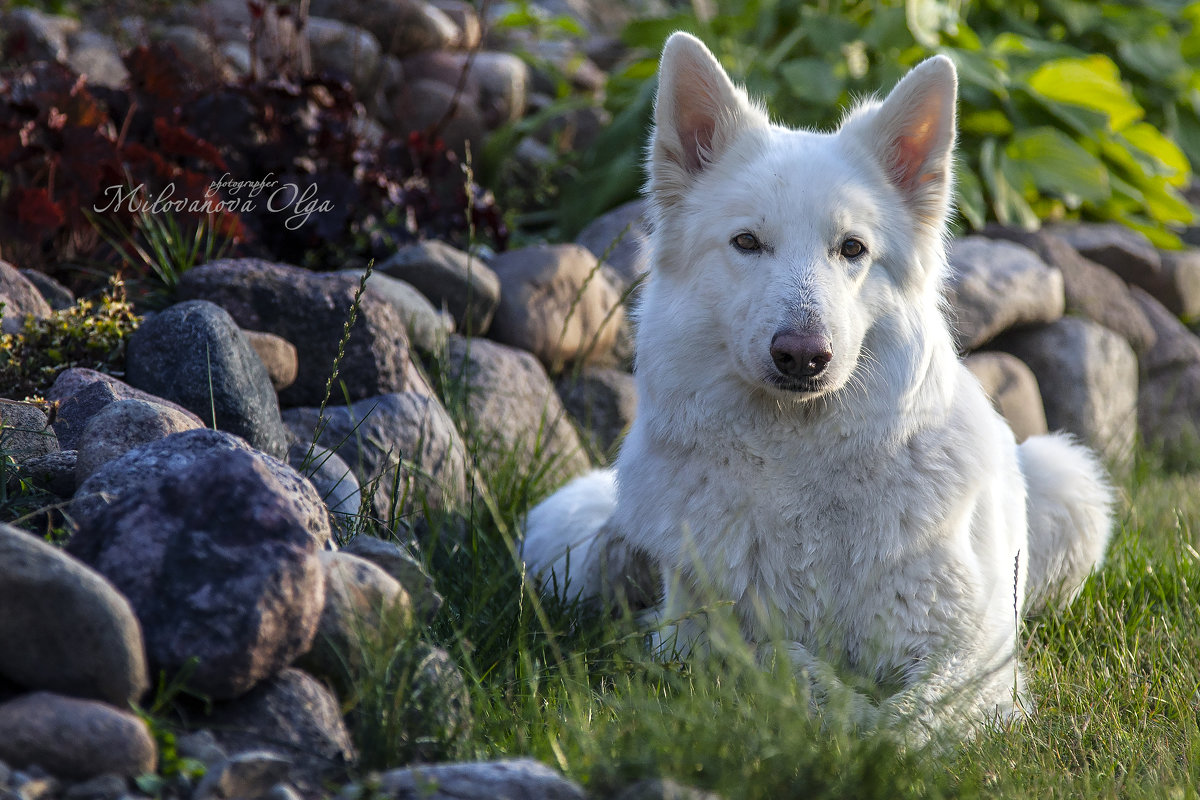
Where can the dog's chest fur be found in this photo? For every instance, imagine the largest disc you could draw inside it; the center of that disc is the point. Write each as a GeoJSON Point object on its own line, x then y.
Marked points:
{"type": "Point", "coordinates": [858, 550]}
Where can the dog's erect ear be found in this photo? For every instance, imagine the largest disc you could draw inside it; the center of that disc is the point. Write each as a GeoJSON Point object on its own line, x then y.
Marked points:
{"type": "Point", "coordinates": [697, 113]}
{"type": "Point", "coordinates": [912, 134]}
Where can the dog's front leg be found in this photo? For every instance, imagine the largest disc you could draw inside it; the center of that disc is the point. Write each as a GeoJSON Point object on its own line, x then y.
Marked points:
{"type": "Point", "coordinates": [956, 698]}
{"type": "Point", "coordinates": [829, 694]}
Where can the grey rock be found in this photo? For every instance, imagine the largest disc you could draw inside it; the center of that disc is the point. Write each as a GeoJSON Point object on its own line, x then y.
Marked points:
{"type": "Point", "coordinates": [996, 285]}
{"type": "Point", "coordinates": [450, 278]}
{"type": "Point", "coordinates": [556, 303]}
{"type": "Point", "coordinates": [465, 18]}
{"type": "Point", "coordinates": [103, 787]}
{"type": "Point", "coordinates": [197, 48]}
{"type": "Point", "coordinates": [397, 561]}
{"type": "Point", "coordinates": [406, 433]}
{"type": "Point", "coordinates": [422, 104]}
{"type": "Point", "coordinates": [1181, 269]}
{"type": "Point", "coordinates": [121, 426]}
{"type": "Point", "coordinates": [1091, 290]}
{"type": "Point", "coordinates": [602, 401]}
{"type": "Point", "coordinates": [83, 393]}
{"type": "Point", "coordinates": [310, 310]}
{"type": "Point", "coordinates": [202, 746]}
{"type": "Point", "coordinates": [25, 431]}
{"type": "Point", "coordinates": [249, 774]}
{"type": "Point", "coordinates": [215, 549]}
{"type": "Point", "coordinates": [427, 326]}
{"type": "Point", "coordinates": [153, 461]}
{"type": "Point", "coordinates": [292, 715]}
{"type": "Point", "coordinates": [54, 293]}
{"type": "Point", "coordinates": [65, 628]}
{"type": "Point", "coordinates": [345, 50]}
{"type": "Point", "coordinates": [278, 355]}
{"type": "Point", "coordinates": [1089, 378]}
{"type": "Point", "coordinates": [103, 739]}
{"type": "Point", "coordinates": [513, 779]}
{"type": "Point", "coordinates": [19, 296]}
{"type": "Point", "coordinates": [437, 709]}
{"type": "Point", "coordinates": [364, 608]}
{"type": "Point", "coordinates": [622, 238]}
{"type": "Point", "coordinates": [1013, 390]}
{"type": "Point", "coordinates": [194, 354]}
{"type": "Point", "coordinates": [99, 58]}
{"type": "Point", "coordinates": [404, 26]}
{"type": "Point", "coordinates": [1169, 386]}
{"type": "Point", "coordinates": [513, 410]}
{"type": "Point", "coordinates": [1126, 252]}
{"type": "Point", "coordinates": [330, 476]}
{"type": "Point", "coordinates": [53, 472]}
{"type": "Point", "coordinates": [664, 789]}
{"type": "Point", "coordinates": [41, 36]}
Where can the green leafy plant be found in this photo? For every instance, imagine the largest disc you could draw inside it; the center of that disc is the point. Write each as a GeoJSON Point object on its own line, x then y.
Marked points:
{"type": "Point", "coordinates": [92, 334]}
{"type": "Point", "coordinates": [163, 245]}
{"type": "Point", "coordinates": [1068, 108]}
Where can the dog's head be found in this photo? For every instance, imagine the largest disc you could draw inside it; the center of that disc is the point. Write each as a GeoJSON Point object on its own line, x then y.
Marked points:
{"type": "Point", "coordinates": [780, 248]}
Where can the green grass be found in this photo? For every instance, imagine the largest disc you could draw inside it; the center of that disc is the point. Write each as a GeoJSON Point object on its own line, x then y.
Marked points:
{"type": "Point", "coordinates": [1115, 676]}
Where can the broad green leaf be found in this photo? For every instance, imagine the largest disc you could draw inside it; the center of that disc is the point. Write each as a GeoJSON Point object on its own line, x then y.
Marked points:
{"type": "Point", "coordinates": [1146, 138]}
{"type": "Point", "coordinates": [812, 79]}
{"type": "Point", "coordinates": [1165, 204]}
{"type": "Point", "coordinates": [1092, 82]}
{"type": "Point", "coordinates": [971, 202]}
{"type": "Point", "coordinates": [1053, 162]}
{"type": "Point", "coordinates": [986, 123]}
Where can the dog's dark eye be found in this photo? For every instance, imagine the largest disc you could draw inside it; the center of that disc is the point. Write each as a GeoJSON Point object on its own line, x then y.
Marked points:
{"type": "Point", "coordinates": [747, 242]}
{"type": "Point", "coordinates": [853, 248]}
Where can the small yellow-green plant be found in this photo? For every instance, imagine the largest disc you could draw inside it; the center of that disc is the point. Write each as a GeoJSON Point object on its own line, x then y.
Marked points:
{"type": "Point", "coordinates": [92, 334]}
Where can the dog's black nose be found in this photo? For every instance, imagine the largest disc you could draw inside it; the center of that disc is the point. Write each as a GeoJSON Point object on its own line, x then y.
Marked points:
{"type": "Point", "coordinates": [800, 355]}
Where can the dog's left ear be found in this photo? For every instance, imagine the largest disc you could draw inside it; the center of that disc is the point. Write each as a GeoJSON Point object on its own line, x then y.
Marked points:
{"type": "Point", "coordinates": [912, 135]}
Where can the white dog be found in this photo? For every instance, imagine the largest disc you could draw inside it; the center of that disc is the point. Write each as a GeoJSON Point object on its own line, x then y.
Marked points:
{"type": "Point", "coordinates": [808, 445]}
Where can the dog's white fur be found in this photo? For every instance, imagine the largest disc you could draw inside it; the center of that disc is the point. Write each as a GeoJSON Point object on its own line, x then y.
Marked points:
{"type": "Point", "coordinates": [879, 517]}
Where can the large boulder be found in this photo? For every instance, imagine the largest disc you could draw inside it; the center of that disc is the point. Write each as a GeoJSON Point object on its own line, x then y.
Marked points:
{"type": "Point", "coordinates": [194, 354]}
{"type": "Point", "coordinates": [124, 477]}
{"type": "Point", "coordinates": [1090, 290]}
{"type": "Point", "coordinates": [25, 431]}
{"type": "Point", "coordinates": [217, 557]}
{"type": "Point", "coordinates": [514, 779]}
{"type": "Point", "coordinates": [379, 437]}
{"type": "Point", "coordinates": [621, 238]}
{"type": "Point", "coordinates": [1089, 381]}
{"type": "Point", "coordinates": [997, 285]}
{"type": "Point", "coordinates": [293, 715]}
{"type": "Point", "coordinates": [427, 326]}
{"type": "Point", "coordinates": [556, 302]}
{"type": "Point", "coordinates": [1169, 389]}
{"type": "Point", "coordinates": [121, 426]}
{"type": "Point", "coordinates": [310, 310]}
{"type": "Point", "coordinates": [73, 738]}
{"type": "Point", "coordinates": [450, 278]}
{"type": "Point", "coordinates": [399, 562]}
{"type": "Point", "coordinates": [20, 298]}
{"type": "Point", "coordinates": [602, 401]}
{"type": "Point", "coordinates": [64, 627]}
{"type": "Point", "coordinates": [82, 393]}
{"type": "Point", "coordinates": [364, 607]}
{"type": "Point", "coordinates": [1013, 390]}
{"type": "Point", "coordinates": [1182, 271]}
{"type": "Point", "coordinates": [512, 415]}
{"type": "Point", "coordinates": [404, 27]}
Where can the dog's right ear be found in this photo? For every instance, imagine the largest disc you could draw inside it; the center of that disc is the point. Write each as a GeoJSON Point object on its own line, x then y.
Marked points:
{"type": "Point", "coordinates": [697, 113]}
